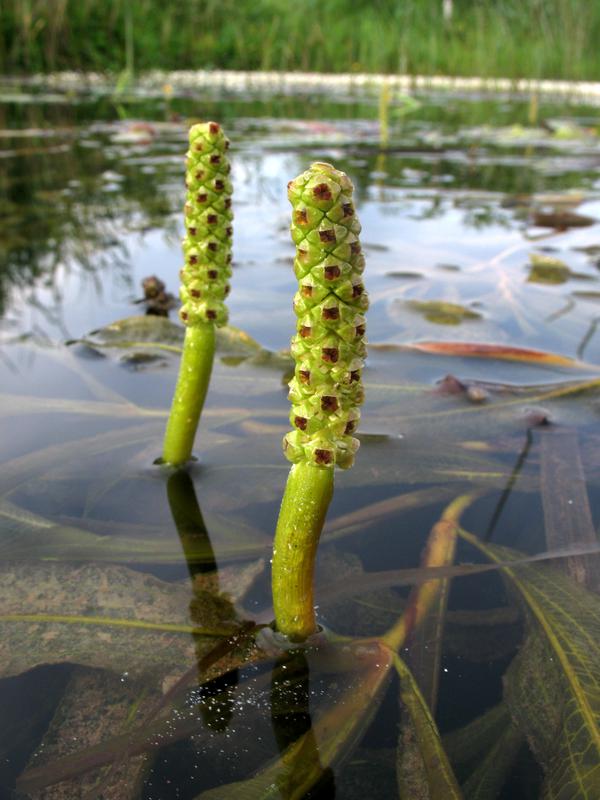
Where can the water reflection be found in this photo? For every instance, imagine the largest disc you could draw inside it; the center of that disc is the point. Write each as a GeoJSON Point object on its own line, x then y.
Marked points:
{"type": "Point", "coordinates": [435, 206]}
{"type": "Point", "coordinates": [92, 193]}
{"type": "Point", "coordinates": [290, 716]}
{"type": "Point", "coordinates": [216, 698]}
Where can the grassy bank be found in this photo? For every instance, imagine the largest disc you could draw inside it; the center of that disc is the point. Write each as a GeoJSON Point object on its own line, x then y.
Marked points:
{"type": "Point", "coordinates": [512, 38]}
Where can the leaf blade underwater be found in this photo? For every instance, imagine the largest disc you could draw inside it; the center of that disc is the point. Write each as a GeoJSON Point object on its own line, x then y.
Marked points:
{"type": "Point", "coordinates": [421, 755]}
{"type": "Point", "coordinates": [566, 641]}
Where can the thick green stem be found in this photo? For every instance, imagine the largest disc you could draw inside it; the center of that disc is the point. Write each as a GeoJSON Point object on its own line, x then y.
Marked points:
{"type": "Point", "coordinates": [304, 507]}
{"type": "Point", "coordinates": [192, 385]}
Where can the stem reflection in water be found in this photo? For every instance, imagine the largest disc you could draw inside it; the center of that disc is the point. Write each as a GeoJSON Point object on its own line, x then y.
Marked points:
{"type": "Point", "coordinates": [290, 715]}
{"type": "Point", "coordinates": [217, 695]}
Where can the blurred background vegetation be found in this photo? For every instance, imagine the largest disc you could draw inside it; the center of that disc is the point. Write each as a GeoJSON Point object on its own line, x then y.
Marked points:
{"type": "Point", "coordinates": [520, 38]}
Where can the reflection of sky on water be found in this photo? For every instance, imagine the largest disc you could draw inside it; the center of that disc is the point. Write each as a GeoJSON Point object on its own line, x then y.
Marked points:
{"type": "Point", "coordinates": [434, 205]}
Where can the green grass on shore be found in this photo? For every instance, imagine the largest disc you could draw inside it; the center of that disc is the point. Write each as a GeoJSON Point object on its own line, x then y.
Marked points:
{"type": "Point", "coordinates": [512, 38]}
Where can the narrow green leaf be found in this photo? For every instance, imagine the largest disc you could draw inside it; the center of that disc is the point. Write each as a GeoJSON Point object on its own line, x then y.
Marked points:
{"type": "Point", "coordinates": [423, 769]}
{"type": "Point", "coordinates": [467, 745]}
{"type": "Point", "coordinates": [561, 718]}
{"type": "Point", "coordinates": [486, 782]}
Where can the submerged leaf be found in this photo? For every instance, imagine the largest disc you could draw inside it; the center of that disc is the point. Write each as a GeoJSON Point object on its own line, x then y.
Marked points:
{"type": "Point", "coordinates": [100, 616]}
{"type": "Point", "coordinates": [31, 537]}
{"type": "Point", "coordinates": [157, 727]}
{"type": "Point", "coordinates": [486, 782]}
{"type": "Point", "coordinates": [553, 688]}
{"type": "Point", "coordinates": [423, 770]}
{"type": "Point", "coordinates": [94, 705]}
{"type": "Point", "coordinates": [467, 745]}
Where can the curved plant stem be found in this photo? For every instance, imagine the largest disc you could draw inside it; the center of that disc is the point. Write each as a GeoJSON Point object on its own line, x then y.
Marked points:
{"type": "Point", "coordinates": [305, 502]}
{"type": "Point", "coordinates": [190, 392]}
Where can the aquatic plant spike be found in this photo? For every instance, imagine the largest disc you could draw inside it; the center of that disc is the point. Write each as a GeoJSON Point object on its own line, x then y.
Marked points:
{"type": "Point", "coordinates": [326, 390]}
{"type": "Point", "coordinates": [329, 345]}
{"type": "Point", "coordinates": [207, 241]}
{"type": "Point", "coordinates": [204, 281]}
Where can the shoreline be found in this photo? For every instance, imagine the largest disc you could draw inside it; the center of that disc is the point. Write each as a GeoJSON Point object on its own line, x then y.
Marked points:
{"type": "Point", "coordinates": [292, 82]}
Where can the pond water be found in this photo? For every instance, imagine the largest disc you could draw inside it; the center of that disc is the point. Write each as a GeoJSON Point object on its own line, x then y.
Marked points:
{"type": "Point", "coordinates": [133, 602]}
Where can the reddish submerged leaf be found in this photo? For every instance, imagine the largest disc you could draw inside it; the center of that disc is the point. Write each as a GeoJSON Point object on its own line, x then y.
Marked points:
{"type": "Point", "coordinates": [499, 351]}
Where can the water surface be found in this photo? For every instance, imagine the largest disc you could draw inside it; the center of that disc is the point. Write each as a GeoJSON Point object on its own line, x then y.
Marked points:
{"type": "Point", "coordinates": [118, 581]}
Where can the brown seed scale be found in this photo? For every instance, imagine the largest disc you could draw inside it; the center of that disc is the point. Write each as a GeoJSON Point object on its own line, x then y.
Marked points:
{"type": "Point", "coordinates": [330, 354]}
{"type": "Point", "coordinates": [327, 236]}
{"type": "Point", "coordinates": [323, 457]}
{"type": "Point", "coordinates": [329, 404]}
{"type": "Point", "coordinates": [322, 192]}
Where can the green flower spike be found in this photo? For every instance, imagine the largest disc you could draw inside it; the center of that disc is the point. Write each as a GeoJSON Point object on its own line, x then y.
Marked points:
{"type": "Point", "coordinates": [326, 390]}
{"type": "Point", "coordinates": [204, 281]}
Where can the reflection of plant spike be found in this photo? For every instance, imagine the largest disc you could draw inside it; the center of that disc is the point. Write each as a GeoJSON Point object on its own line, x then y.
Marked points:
{"type": "Point", "coordinates": [329, 348]}
{"type": "Point", "coordinates": [204, 281]}
{"type": "Point", "coordinates": [326, 390]}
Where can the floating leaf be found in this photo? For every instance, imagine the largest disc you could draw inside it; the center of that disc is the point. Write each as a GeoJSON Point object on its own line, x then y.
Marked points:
{"type": "Point", "coordinates": [561, 219]}
{"type": "Point", "coordinates": [142, 335]}
{"type": "Point", "coordinates": [405, 275]}
{"type": "Point", "coordinates": [443, 313]}
{"type": "Point", "coordinates": [498, 351]}
{"type": "Point", "coordinates": [547, 269]}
